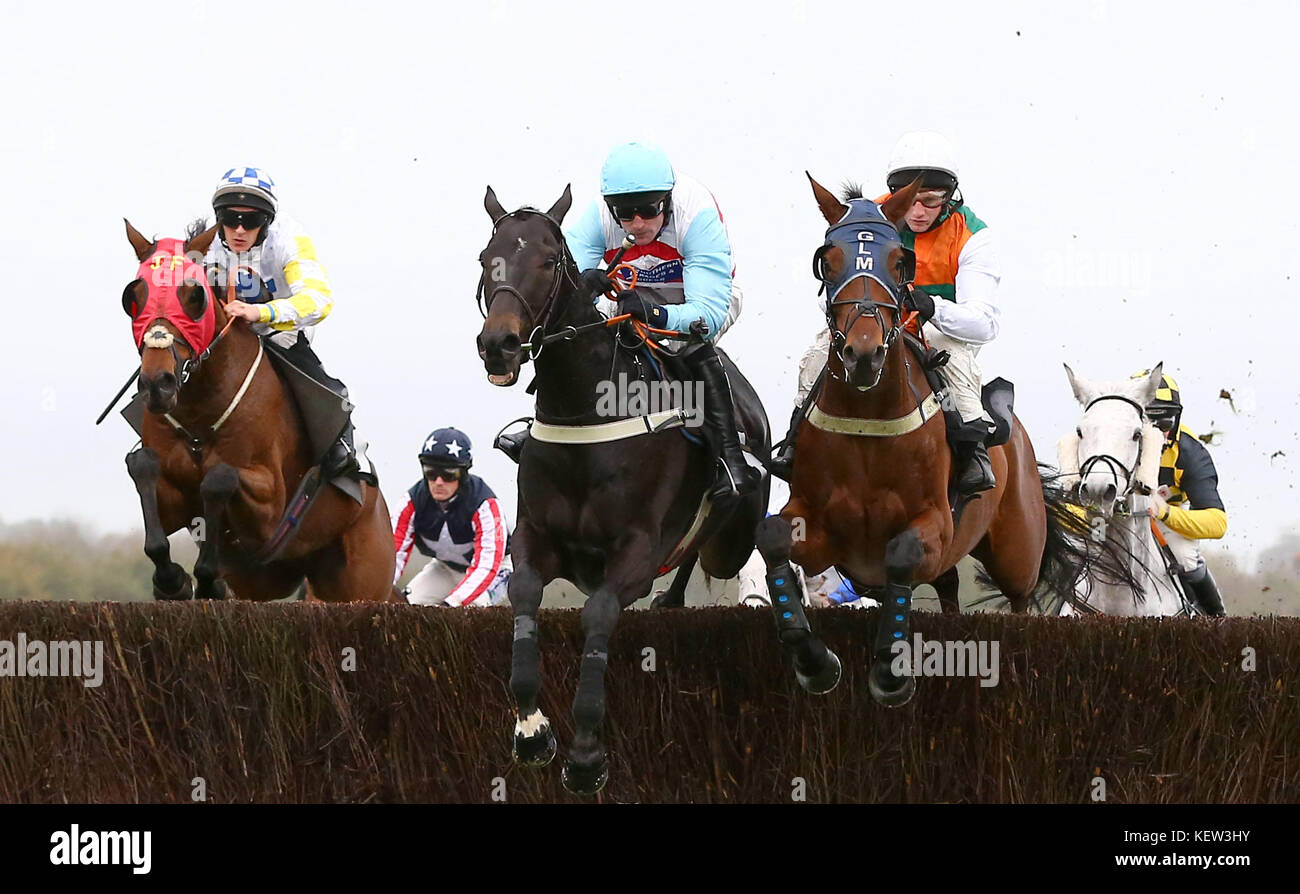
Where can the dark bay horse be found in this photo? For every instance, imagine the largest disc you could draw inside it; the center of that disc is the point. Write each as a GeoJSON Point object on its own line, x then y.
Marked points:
{"type": "Point", "coordinates": [245, 455]}
{"type": "Point", "coordinates": [872, 496]}
{"type": "Point", "coordinates": [608, 515]}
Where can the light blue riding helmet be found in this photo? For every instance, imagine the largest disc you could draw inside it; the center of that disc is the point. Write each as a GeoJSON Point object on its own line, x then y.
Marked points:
{"type": "Point", "coordinates": [636, 167]}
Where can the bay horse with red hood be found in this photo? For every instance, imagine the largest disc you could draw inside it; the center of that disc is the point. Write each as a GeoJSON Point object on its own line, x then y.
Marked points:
{"type": "Point", "coordinates": [872, 495]}
{"type": "Point", "coordinates": [223, 444]}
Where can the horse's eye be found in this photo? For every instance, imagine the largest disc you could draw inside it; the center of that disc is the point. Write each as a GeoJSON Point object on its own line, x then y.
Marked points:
{"type": "Point", "coordinates": [1079, 431]}
{"type": "Point", "coordinates": [1137, 435]}
{"type": "Point", "coordinates": [550, 263]}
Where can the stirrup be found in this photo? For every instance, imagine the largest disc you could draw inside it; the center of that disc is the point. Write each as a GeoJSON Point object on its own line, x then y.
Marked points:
{"type": "Point", "coordinates": [512, 444]}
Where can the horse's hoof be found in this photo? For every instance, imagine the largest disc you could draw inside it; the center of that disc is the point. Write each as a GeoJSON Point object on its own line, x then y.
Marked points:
{"type": "Point", "coordinates": [822, 681]}
{"type": "Point", "coordinates": [887, 689]}
{"type": "Point", "coordinates": [184, 592]}
{"type": "Point", "coordinates": [665, 599]}
{"type": "Point", "coordinates": [536, 750]}
{"type": "Point", "coordinates": [585, 780]}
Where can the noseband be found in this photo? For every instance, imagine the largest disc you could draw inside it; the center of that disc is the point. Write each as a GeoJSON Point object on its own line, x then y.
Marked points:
{"type": "Point", "coordinates": [865, 237]}
{"type": "Point", "coordinates": [564, 267]}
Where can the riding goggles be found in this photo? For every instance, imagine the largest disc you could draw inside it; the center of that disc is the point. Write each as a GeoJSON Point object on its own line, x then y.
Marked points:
{"type": "Point", "coordinates": [433, 473]}
{"type": "Point", "coordinates": [934, 198]}
{"type": "Point", "coordinates": [249, 220]}
{"type": "Point", "coordinates": [643, 210]}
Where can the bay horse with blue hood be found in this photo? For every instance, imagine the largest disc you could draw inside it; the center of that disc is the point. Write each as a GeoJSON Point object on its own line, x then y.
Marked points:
{"type": "Point", "coordinates": [874, 499]}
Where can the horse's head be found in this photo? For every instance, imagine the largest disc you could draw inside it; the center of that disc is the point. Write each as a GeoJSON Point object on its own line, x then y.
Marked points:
{"type": "Point", "coordinates": [526, 266]}
{"type": "Point", "coordinates": [862, 265]}
{"type": "Point", "coordinates": [173, 314]}
{"type": "Point", "coordinates": [1118, 449]}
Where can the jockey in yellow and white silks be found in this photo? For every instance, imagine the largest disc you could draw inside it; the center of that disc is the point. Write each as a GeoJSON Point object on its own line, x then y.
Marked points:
{"type": "Point", "coordinates": [957, 277]}
{"type": "Point", "coordinates": [287, 293]}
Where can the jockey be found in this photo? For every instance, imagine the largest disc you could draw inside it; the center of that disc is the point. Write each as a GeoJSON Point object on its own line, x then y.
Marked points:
{"type": "Point", "coordinates": [289, 295]}
{"type": "Point", "coordinates": [685, 277]}
{"type": "Point", "coordinates": [956, 263]}
{"type": "Point", "coordinates": [1187, 479]}
{"type": "Point", "coordinates": [454, 518]}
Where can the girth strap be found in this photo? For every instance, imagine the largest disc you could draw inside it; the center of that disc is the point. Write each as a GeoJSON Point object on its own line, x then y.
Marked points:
{"type": "Point", "coordinates": [609, 431]}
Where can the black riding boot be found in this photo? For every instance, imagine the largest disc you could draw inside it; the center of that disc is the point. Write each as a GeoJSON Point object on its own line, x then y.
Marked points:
{"type": "Point", "coordinates": [1202, 590]}
{"type": "Point", "coordinates": [736, 476]}
{"type": "Point", "coordinates": [341, 460]}
{"type": "Point", "coordinates": [782, 465]}
{"type": "Point", "coordinates": [976, 474]}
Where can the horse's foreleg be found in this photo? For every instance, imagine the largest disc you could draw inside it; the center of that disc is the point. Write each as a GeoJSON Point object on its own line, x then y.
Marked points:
{"type": "Point", "coordinates": [534, 740]}
{"type": "Point", "coordinates": [816, 667]}
{"type": "Point", "coordinates": [903, 555]}
{"type": "Point", "coordinates": [587, 768]}
{"type": "Point", "coordinates": [169, 579]}
{"type": "Point", "coordinates": [218, 487]}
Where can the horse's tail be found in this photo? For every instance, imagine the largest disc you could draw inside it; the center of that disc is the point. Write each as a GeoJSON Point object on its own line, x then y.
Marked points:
{"type": "Point", "coordinates": [1070, 551]}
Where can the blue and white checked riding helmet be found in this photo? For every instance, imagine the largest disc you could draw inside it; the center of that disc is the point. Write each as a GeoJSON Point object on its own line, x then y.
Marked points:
{"type": "Point", "coordinates": [447, 447]}
{"type": "Point", "coordinates": [252, 187]}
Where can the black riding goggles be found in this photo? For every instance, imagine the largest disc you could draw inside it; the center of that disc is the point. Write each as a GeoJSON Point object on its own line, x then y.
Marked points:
{"type": "Point", "coordinates": [642, 209]}
{"type": "Point", "coordinates": [432, 473]}
{"type": "Point", "coordinates": [249, 220]}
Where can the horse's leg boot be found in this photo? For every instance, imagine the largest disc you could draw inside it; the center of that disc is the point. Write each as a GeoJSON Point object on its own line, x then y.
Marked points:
{"type": "Point", "coordinates": [1201, 588]}
{"type": "Point", "coordinates": [782, 465]}
{"type": "Point", "coordinates": [720, 423]}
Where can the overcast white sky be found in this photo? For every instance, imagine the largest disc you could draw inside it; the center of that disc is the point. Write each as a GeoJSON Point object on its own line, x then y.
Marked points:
{"type": "Point", "coordinates": [1136, 166]}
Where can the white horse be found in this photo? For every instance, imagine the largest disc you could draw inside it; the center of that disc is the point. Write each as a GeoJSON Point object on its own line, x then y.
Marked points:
{"type": "Point", "coordinates": [1113, 460]}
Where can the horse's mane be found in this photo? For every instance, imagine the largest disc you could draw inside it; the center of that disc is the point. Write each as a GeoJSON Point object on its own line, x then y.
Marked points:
{"type": "Point", "coordinates": [851, 190]}
{"type": "Point", "coordinates": [197, 226]}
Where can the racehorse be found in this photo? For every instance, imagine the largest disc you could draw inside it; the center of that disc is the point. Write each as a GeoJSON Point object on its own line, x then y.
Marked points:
{"type": "Point", "coordinates": [1112, 460]}
{"type": "Point", "coordinates": [871, 494]}
{"type": "Point", "coordinates": [607, 505]}
{"type": "Point", "coordinates": [223, 448]}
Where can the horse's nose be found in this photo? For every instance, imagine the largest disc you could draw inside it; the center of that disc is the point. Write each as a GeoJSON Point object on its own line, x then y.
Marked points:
{"type": "Point", "coordinates": [498, 343]}
{"type": "Point", "coordinates": [1102, 495]}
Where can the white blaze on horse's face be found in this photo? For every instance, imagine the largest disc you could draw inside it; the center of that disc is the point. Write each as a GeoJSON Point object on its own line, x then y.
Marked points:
{"type": "Point", "coordinates": [1110, 437]}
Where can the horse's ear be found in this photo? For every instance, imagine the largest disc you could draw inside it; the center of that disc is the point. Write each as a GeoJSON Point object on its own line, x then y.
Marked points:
{"type": "Point", "coordinates": [1084, 391]}
{"type": "Point", "coordinates": [143, 247]}
{"type": "Point", "coordinates": [895, 207]}
{"type": "Point", "coordinates": [832, 208]}
{"type": "Point", "coordinates": [562, 205]}
{"type": "Point", "coordinates": [1151, 385]}
{"type": "Point", "coordinates": [494, 209]}
{"type": "Point", "coordinates": [201, 242]}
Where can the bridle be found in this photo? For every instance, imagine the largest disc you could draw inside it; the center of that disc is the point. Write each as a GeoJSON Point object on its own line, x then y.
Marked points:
{"type": "Point", "coordinates": [1113, 463]}
{"type": "Point", "coordinates": [540, 322]}
{"type": "Point", "coordinates": [862, 235]}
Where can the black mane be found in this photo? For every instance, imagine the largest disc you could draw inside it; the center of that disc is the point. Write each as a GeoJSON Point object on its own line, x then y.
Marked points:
{"type": "Point", "coordinates": [851, 190]}
{"type": "Point", "coordinates": [197, 226]}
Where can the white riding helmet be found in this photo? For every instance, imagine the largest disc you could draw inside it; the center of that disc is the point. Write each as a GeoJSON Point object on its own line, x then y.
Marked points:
{"type": "Point", "coordinates": [923, 152]}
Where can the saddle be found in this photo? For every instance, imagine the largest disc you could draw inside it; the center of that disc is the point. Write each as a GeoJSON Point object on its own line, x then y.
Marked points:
{"type": "Point", "coordinates": [997, 395]}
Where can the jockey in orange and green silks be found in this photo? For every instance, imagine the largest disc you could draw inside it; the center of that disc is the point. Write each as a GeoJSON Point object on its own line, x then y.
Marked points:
{"type": "Point", "coordinates": [1187, 506]}
{"type": "Point", "coordinates": [957, 276]}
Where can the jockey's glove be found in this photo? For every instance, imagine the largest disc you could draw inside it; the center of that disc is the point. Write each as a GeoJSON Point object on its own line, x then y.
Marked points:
{"type": "Point", "coordinates": [1152, 505]}
{"type": "Point", "coordinates": [920, 302]}
{"type": "Point", "coordinates": [595, 281]}
{"type": "Point", "coordinates": [643, 309]}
